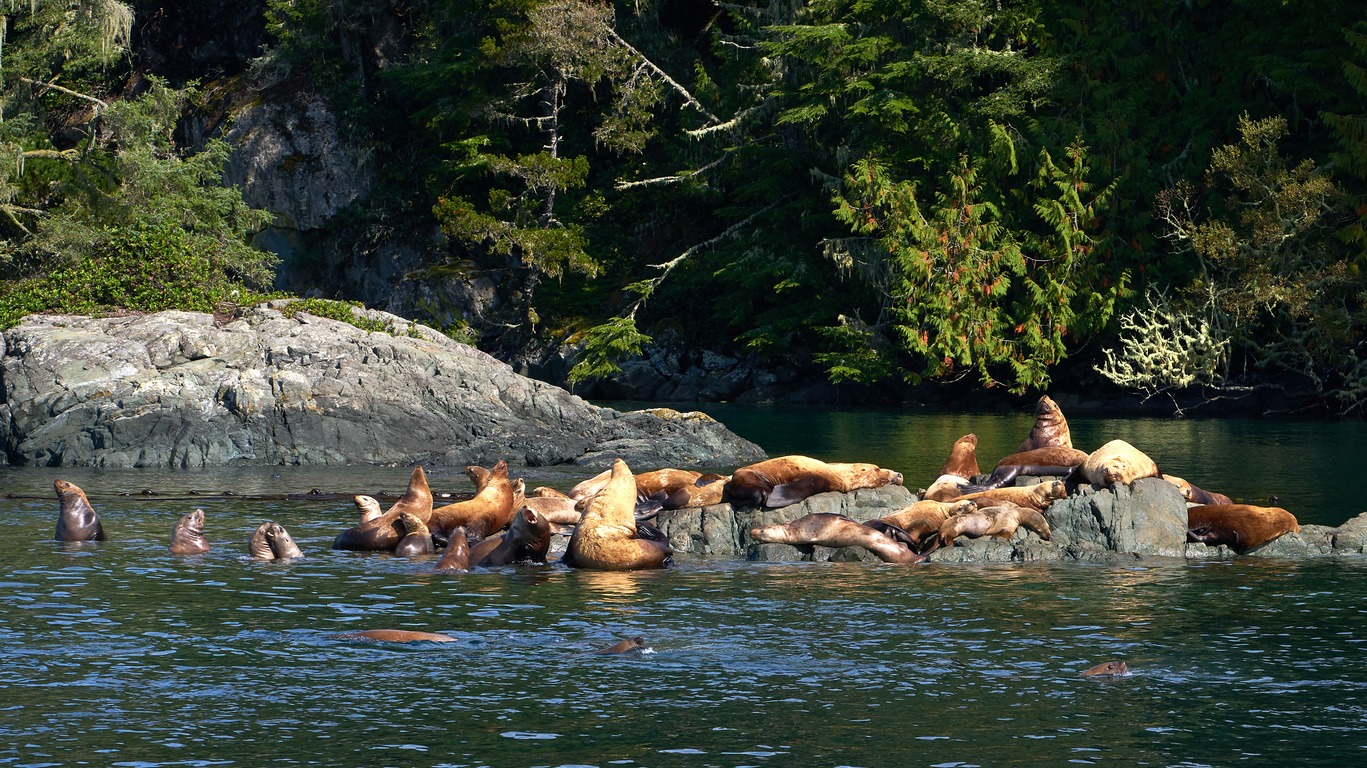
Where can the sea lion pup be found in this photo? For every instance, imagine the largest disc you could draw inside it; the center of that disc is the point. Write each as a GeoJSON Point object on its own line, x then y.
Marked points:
{"type": "Point", "coordinates": [789, 479]}
{"type": "Point", "coordinates": [607, 537]}
{"type": "Point", "coordinates": [417, 540]}
{"type": "Point", "coordinates": [1050, 429]}
{"type": "Point", "coordinates": [1118, 462]}
{"type": "Point", "coordinates": [490, 511]}
{"type": "Point", "coordinates": [456, 559]}
{"type": "Point", "coordinates": [1037, 497]}
{"type": "Point", "coordinates": [369, 508]}
{"type": "Point", "coordinates": [1107, 669]}
{"type": "Point", "coordinates": [258, 545]}
{"type": "Point", "coordinates": [1000, 521]}
{"type": "Point", "coordinates": [383, 533]}
{"type": "Point", "coordinates": [1240, 527]}
{"type": "Point", "coordinates": [1195, 495]}
{"type": "Point", "coordinates": [282, 543]}
{"type": "Point", "coordinates": [187, 537]}
{"type": "Point", "coordinates": [76, 519]}
{"type": "Point", "coordinates": [527, 540]}
{"type": "Point", "coordinates": [831, 530]}
{"type": "Point", "coordinates": [1053, 460]}
{"type": "Point", "coordinates": [394, 636]}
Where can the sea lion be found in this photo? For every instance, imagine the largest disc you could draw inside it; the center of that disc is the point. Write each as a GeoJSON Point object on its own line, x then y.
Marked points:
{"type": "Point", "coordinates": [1240, 527]}
{"type": "Point", "coordinates": [546, 492]}
{"type": "Point", "coordinates": [963, 457]}
{"type": "Point", "coordinates": [417, 540]}
{"type": "Point", "coordinates": [1118, 462]}
{"type": "Point", "coordinates": [589, 488]}
{"type": "Point", "coordinates": [558, 510]}
{"type": "Point", "coordinates": [634, 643]}
{"type": "Point", "coordinates": [789, 479]}
{"type": "Point", "coordinates": [282, 544]}
{"type": "Point", "coordinates": [394, 636]}
{"type": "Point", "coordinates": [456, 559]}
{"type": "Point", "coordinates": [607, 537]}
{"type": "Point", "coordinates": [527, 540]}
{"type": "Point", "coordinates": [922, 518]}
{"type": "Point", "coordinates": [187, 537]}
{"type": "Point", "coordinates": [258, 545]}
{"type": "Point", "coordinates": [829, 530]}
{"type": "Point", "coordinates": [369, 508]}
{"type": "Point", "coordinates": [1037, 497]}
{"type": "Point", "coordinates": [1000, 521]}
{"type": "Point", "coordinates": [678, 489]}
{"type": "Point", "coordinates": [1195, 495]}
{"type": "Point", "coordinates": [1107, 669]}
{"type": "Point", "coordinates": [478, 475]}
{"type": "Point", "coordinates": [948, 488]}
{"type": "Point", "coordinates": [1052, 460]}
{"type": "Point", "coordinates": [1050, 430]}
{"type": "Point", "coordinates": [76, 519]}
{"type": "Point", "coordinates": [384, 532]}
{"type": "Point", "coordinates": [490, 511]}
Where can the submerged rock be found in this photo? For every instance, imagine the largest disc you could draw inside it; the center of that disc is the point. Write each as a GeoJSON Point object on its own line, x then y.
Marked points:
{"type": "Point", "coordinates": [179, 389]}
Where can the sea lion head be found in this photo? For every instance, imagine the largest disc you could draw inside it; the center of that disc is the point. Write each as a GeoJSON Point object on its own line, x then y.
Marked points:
{"type": "Point", "coordinates": [412, 523]}
{"type": "Point", "coordinates": [1108, 669]}
{"type": "Point", "coordinates": [478, 475]}
{"type": "Point", "coordinates": [963, 457]}
{"type": "Point", "coordinates": [961, 508]}
{"type": "Point", "coordinates": [258, 545]}
{"type": "Point", "coordinates": [282, 544]}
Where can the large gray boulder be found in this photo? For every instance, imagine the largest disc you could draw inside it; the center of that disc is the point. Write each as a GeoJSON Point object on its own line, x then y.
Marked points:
{"type": "Point", "coordinates": [184, 389]}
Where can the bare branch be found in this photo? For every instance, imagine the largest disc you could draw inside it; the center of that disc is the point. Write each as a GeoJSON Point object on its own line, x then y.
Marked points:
{"type": "Point", "coordinates": [676, 179]}
{"type": "Point", "coordinates": [660, 73]}
{"type": "Point", "coordinates": [53, 85]}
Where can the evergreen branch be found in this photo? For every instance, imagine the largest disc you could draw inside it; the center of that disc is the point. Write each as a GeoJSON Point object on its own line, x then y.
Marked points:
{"type": "Point", "coordinates": [660, 73]}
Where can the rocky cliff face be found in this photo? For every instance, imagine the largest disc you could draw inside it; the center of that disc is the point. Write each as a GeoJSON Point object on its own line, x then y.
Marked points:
{"type": "Point", "coordinates": [184, 389]}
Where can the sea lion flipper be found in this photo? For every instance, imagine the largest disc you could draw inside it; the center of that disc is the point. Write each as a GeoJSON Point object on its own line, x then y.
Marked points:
{"type": "Point", "coordinates": [646, 530]}
{"type": "Point", "coordinates": [785, 494]}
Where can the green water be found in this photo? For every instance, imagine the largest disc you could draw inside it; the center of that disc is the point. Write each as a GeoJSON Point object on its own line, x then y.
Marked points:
{"type": "Point", "coordinates": [120, 654]}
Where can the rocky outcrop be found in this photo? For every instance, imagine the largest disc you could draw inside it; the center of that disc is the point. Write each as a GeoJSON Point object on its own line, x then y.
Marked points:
{"type": "Point", "coordinates": [184, 389]}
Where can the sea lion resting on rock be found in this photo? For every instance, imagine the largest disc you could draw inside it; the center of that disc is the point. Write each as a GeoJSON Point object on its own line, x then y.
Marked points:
{"type": "Point", "coordinates": [527, 540]}
{"type": "Point", "coordinates": [187, 537]}
{"type": "Point", "coordinates": [417, 539]}
{"type": "Point", "coordinates": [789, 479]}
{"type": "Point", "coordinates": [76, 519]}
{"type": "Point", "coordinates": [1195, 495]}
{"type": "Point", "coordinates": [829, 530]}
{"type": "Point", "coordinates": [923, 518]}
{"type": "Point", "coordinates": [1050, 430]}
{"type": "Point", "coordinates": [1053, 460]}
{"type": "Point", "coordinates": [954, 479]}
{"type": "Point", "coordinates": [1000, 521]}
{"type": "Point", "coordinates": [607, 537]}
{"type": "Point", "coordinates": [1037, 497]}
{"type": "Point", "coordinates": [1240, 527]}
{"type": "Point", "coordinates": [679, 488]}
{"type": "Point", "coordinates": [560, 510]}
{"type": "Point", "coordinates": [490, 511]}
{"type": "Point", "coordinates": [1118, 462]}
{"type": "Point", "coordinates": [383, 533]}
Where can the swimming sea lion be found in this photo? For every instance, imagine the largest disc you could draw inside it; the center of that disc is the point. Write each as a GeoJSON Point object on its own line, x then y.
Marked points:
{"type": "Point", "coordinates": [1000, 521]}
{"type": "Point", "coordinates": [282, 544]}
{"type": "Point", "coordinates": [258, 545]}
{"type": "Point", "coordinates": [789, 479]}
{"type": "Point", "coordinates": [1037, 497]}
{"type": "Point", "coordinates": [76, 519]}
{"type": "Point", "coordinates": [456, 559]}
{"type": "Point", "coordinates": [829, 530]}
{"type": "Point", "coordinates": [1240, 527]}
{"type": "Point", "coordinates": [1051, 460]}
{"type": "Point", "coordinates": [1107, 669]}
{"type": "Point", "coordinates": [922, 518]}
{"type": "Point", "coordinates": [369, 508]}
{"type": "Point", "coordinates": [384, 532]}
{"type": "Point", "coordinates": [417, 540]}
{"type": "Point", "coordinates": [487, 513]}
{"type": "Point", "coordinates": [963, 457]}
{"type": "Point", "coordinates": [607, 537]}
{"type": "Point", "coordinates": [527, 540]}
{"type": "Point", "coordinates": [187, 537]}
{"type": "Point", "coordinates": [1118, 462]}
{"type": "Point", "coordinates": [634, 643]}
{"type": "Point", "coordinates": [1050, 429]}
{"type": "Point", "coordinates": [394, 636]}
{"type": "Point", "coordinates": [1196, 495]}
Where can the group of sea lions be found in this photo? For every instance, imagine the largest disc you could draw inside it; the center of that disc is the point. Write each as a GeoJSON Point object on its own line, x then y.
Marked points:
{"type": "Point", "coordinates": [964, 502]}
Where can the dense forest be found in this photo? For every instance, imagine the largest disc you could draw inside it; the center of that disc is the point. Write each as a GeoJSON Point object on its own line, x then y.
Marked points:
{"type": "Point", "coordinates": [1166, 197]}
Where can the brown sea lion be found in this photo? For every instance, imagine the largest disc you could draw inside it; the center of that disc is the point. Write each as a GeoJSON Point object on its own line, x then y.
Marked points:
{"type": "Point", "coordinates": [1053, 460]}
{"type": "Point", "coordinates": [1037, 497]}
{"type": "Point", "coordinates": [545, 492]}
{"type": "Point", "coordinates": [1240, 527]}
{"type": "Point", "coordinates": [76, 519]}
{"type": "Point", "coordinates": [1107, 669]}
{"type": "Point", "coordinates": [478, 475]}
{"type": "Point", "coordinates": [607, 536]}
{"type": "Point", "coordinates": [394, 636]}
{"type": "Point", "coordinates": [527, 540]}
{"type": "Point", "coordinates": [679, 488]}
{"type": "Point", "coordinates": [963, 457]}
{"type": "Point", "coordinates": [384, 532]}
{"type": "Point", "coordinates": [589, 488]}
{"type": "Point", "coordinates": [258, 545]}
{"type": "Point", "coordinates": [1000, 521]}
{"type": "Point", "coordinates": [369, 508]}
{"type": "Point", "coordinates": [1050, 430]}
{"type": "Point", "coordinates": [187, 537]}
{"type": "Point", "coordinates": [829, 530]}
{"type": "Point", "coordinates": [626, 645]}
{"type": "Point", "coordinates": [456, 559]}
{"type": "Point", "coordinates": [558, 510]}
{"type": "Point", "coordinates": [490, 511]}
{"type": "Point", "coordinates": [1118, 462]}
{"type": "Point", "coordinates": [417, 539]}
{"type": "Point", "coordinates": [282, 544]}
{"type": "Point", "coordinates": [789, 479]}
{"type": "Point", "coordinates": [922, 518]}
{"type": "Point", "coordinates": [948, 488]}
{"type": "Point", "coordinates": [1195, 495]}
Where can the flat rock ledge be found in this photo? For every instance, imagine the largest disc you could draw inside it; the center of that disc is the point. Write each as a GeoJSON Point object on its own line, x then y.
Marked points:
{"type": "Point", "coordinates": [182, 389]}
{"type": "Point", "coordinates": [1146, 520]}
